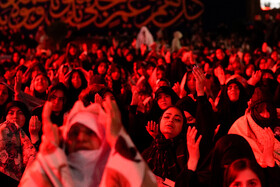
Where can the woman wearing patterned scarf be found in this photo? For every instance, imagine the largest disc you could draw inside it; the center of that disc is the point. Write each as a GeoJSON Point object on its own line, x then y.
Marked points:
{"type": "Point", "coordinates": [258, 127]}
{"type": "Point", "coordinates": [16, 152]}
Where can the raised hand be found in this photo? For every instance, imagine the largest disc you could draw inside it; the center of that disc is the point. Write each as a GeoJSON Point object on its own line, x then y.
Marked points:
{"type": "Point", "coordinates": [98, 98]}
{"type": "Point", "coordinates": [176, 88]}
{"type": "Point", "coordinates": [35, 126]}
{"type": "Point", "coordinates": [267, 157]}
{"type": "Point", "coordinates": [113, 121]}
{"type": "Point", "coordinates": [255, 78]}
{"type": "Point", "coordinates": [50, 130]}
{"type": "Point", "coordinates": [220, 74]}
{"type": "Point", "coordinates": [135, 98]}
{"type": "Point", "coordinates": [167, 57]}
{"type": "Point", "coordinates": [193, 148]}
{"type": "Point", "coordinates": [30, 90]}
{"type": "Point", "coordinates": [200, 80]}
{"type": "Point", "coordinates": [152, 128]}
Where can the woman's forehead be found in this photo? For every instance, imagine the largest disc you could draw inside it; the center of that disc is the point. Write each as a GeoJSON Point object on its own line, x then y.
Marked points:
{"type": "Point", "coordinates": [173, 110]}
{"type": "Point", "coordinates": [15, 108]}
{"type": "Point", "coordinates": [79, 127]}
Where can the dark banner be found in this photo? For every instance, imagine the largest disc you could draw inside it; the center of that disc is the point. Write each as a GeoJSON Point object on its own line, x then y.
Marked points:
{"type": "Point", "coordinates": [29, 14]}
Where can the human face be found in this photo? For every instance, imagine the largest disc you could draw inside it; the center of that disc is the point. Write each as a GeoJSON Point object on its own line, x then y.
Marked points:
{"type": "Point", "coordinates": [220, 54]}
{"type": "Point", "coordinates": [81, 137]}
{"type": "Point", "coordinates": [171, 123]}
{"type": "Point", "coordinates": [129, 57]}
{"type": "Point", "coordinates": [164, 101]}
{"type": "Point", "coordinates": [160, 61]}
{"type": "Point", "coordinates": [94, 48]}
{"type": "Point", "coordinates": [264, 47]}
{"type": "Point", "coordinates": [84, 46]}
{"type": "Point", "coordinates": [15, 57]}
{"type": "Point", "coordinates": [72, 50]}
{"type": "Point", "coordinates": [247, 58]}
{"type": "Point", "coordinates": [250, 70]}
{"type": "Point", "coordinates": [109, 94]}
{"type": "Point", "coordinates": [278, 78]}
{"type": "Point", "coordinates": [207, 68]}
{"type": "Point", "coordinates": [99, 53]}
{"type": "Point", "coordinates": [262, 64]}
{"type": "Point", "coordinates": [116, 75]}
{"type": "Point", "coordinates": [185, 56]}
{"type": "Point", "coordinates": [274, 55]}
{"type": "Point", "coordinates": [15, 115]}
{"type": "Point", "coordinates": [191, 83]}
{"type": "Point", "coordinates": [141, 70]}
{"type": "Point", "coordinates": [35, 71]}
{"type": "Point", "coordinates": [4, 94]}
{"type": "Point", "coordinates": [160, 74]}
{"type": "Point", "coordinates": [246, 178]}
{"type": "Point", "coordinates": [233, 92]}
{"type": "Point", "coordinates": [41, 83]}
{"type": "Point", "coordinates": [57, 100]}
{"type": "Point", "coordinates": [150, 70]}
{"type": "Point", "coordinates": [262, 109]}
{"type": "Point", "coordinates": [189, 117]}
{"type": "Point", "coordinates": [76, 80]}
{"type": "Point", "coordinates": [102, 68]}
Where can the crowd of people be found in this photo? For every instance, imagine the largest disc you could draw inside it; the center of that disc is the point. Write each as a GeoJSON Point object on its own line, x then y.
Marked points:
{"type": "Point", "coordinates": [139, 111]}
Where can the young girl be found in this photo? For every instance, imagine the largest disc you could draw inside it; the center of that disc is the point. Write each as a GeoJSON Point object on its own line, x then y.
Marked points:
{"type": "Point", "coordinates": [243, 172]}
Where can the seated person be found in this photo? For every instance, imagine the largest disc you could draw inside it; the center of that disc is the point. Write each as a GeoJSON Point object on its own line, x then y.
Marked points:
{"type": "Point", "coordinates": [81, 154]}
{"type": "Point", "coordinates": [257, 126]}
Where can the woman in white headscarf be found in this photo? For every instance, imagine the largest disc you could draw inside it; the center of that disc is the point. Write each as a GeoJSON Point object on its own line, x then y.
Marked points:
{"type": "Point", "coordinates": [144, 37]}
{"type": "Point", "coordinates": [95, 147]}
{"type": "Point", "coordinates": [176, 44]}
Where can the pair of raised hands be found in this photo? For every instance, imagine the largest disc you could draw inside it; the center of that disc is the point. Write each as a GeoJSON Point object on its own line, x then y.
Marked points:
{"type": "Point", "coordinates": [113, 123]}
{"type": "Point", "coordinates": [192, 144]}
{"type": "Point", "coordinates": [200, 83]}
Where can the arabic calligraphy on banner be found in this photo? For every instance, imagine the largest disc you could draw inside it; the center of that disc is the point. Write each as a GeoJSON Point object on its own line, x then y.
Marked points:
{"type": "Point", "coordinates": [100, 13]}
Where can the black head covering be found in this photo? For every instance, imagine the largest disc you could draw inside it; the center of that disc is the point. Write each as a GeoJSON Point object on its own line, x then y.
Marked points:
{"type": "Point", "coordinates": [73, 97]}
{"type": "Point", "coordinates": [20, 105]}
{"type": "Point", "coordinates": [228, 111]}
{"type": "Point", "coordinates": [167, 157]}
{"type": "Point", "coordinates": [25, 111]}
{"type": "Point", "coordinates": [268, 84]}
{"type": "Point", "coordinates": [169, 91]}
{"type": "Point", "coordinates": [187, 104]}
{"type": "Point", "coordinates": [156, 111]}
{"type": "Point", "coordinates": [260, 97]}
{"type": "Point", "coordinates": [82, 76]}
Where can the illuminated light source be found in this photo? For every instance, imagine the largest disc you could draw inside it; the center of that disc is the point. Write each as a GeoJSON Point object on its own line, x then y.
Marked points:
{"type": "Point", "coordinates": [269, 4]}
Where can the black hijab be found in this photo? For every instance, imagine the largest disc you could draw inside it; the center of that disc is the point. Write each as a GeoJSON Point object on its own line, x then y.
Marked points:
{"type": "Point", "coordinates": [167, 157]}
{"type": "Point", "coordinates": [228, 111]}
